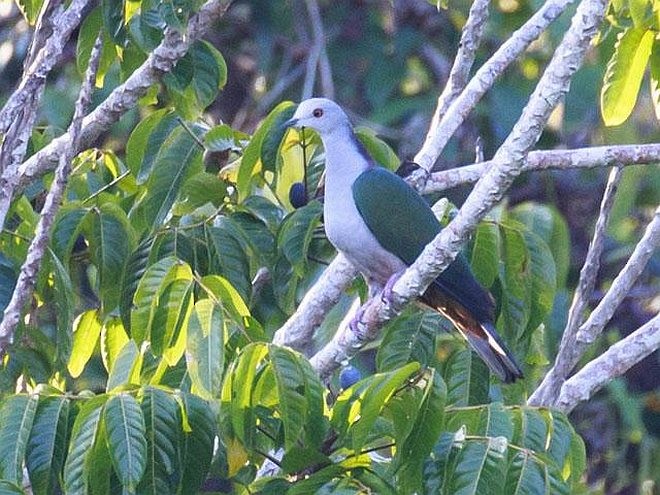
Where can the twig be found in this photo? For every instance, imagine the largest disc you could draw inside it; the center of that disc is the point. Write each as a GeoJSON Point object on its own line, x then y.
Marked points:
{"type": "Point", "coordinates": [508, 160]}
{"type": "Point", "coordinates": [327, 86]}
{"type": "Point", "coordinates": [621, 285]}
{"type": "Point", "coordinates": [458, 77]}
{"type": "Point", "coordinates": [124, 97]}
{"type": "Point", "coordinates": [485, 77]}
{"type": "Point", "coordinates": [316, 52]}
{"type": "Point", "coordinates": [569, 353]}
{"type": "Point", "coordinates": [612, 363]}
{"type": "Point", "coordinates": [599, 156]}
{"type": "Point", "coordinates": [29, 270]}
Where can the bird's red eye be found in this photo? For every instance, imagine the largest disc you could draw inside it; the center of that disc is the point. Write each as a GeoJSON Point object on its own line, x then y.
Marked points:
{"type": "Point", "coordinates": [318, 112]}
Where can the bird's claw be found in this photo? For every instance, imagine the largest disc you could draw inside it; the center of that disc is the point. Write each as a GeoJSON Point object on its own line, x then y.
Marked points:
{"type": "Point", "coordinates": [356, 322]}
{"type": "Point", "coordinates": [386, 294]}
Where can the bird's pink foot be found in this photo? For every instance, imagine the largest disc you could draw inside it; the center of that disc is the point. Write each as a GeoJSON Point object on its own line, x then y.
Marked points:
{"type": "Point", "coordinates": [356, 322]}
{"type": "Point", "coordinates": [386, 294]}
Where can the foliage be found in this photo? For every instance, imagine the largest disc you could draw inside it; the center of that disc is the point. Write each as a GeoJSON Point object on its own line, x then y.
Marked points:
{"type": "Point", "coordinates": [144, 363]}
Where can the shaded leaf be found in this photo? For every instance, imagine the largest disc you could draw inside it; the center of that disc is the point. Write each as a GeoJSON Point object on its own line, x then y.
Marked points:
{"type": "Point", "coordinates": [126, 432]}
{"type": "Point", "coordinates": [17, 414]}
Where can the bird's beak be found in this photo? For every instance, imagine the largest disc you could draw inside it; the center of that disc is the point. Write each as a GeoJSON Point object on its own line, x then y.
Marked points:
{"type": "Point", "coordinates": [291, 123]}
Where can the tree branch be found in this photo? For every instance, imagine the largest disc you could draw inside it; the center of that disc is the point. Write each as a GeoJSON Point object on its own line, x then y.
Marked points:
{"type": "Point", "coordinates": [569, 353]}
{"type": "Point", "coordinates": [164, 57]}
{"type": "Point", "coordinates": [614, 362]}
{"type": "Point", "coordinates": [600, 156]}
{"type": "Point", "coordinates": [19, 113]}
{"type": "Point", "coordinates": [30, 269]}
{"type": "Point", "coordinates": [483, 80]}
{"type": "Point", "coordinates": [507, 165]}
{"type": "Point", "coordinates": [458, 76]}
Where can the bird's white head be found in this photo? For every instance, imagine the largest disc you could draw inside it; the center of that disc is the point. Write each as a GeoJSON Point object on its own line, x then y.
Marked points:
{"type": "Point", "coordinates": [320, 114]}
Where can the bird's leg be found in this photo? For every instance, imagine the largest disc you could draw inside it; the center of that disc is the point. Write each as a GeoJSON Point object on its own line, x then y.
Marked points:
{"type": "Point", "coordinates": [386, 293]}
{"type": "Point", "coordinates": [356, 322]}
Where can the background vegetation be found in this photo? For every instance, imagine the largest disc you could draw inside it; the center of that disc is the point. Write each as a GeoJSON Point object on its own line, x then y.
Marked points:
{"type": "Point", "coordinates": [143, 360]}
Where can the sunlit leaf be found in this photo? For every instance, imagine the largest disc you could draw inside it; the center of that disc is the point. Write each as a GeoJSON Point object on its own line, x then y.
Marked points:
{"type": "Point", "coordinates": [86, 332]}
{"type": "Point", "coordinates": [624, 74]}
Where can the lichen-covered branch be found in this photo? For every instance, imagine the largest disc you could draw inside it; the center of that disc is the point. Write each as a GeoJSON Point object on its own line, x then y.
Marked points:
{"type": "Point", "coordinates": [618, 359]}
{"type": "Point", "coordinates": [319, 299]}
{"type": "Point", "coordinates": [460, 72]}
{"type": "Point", "coordinates": [507, 165]}
{"type": "Point", "coordinates": [28, 274]}
{"type": "Point", "coordinates": [569, 353]}
{"type": "Point", "coordinates": [598, 156]}
{"type": "Point", "coordinates": [19, 113]}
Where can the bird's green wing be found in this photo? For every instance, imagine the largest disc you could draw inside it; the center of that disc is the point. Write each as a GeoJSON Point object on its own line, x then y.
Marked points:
{"type": "Point", "coordinates": [403, 223]}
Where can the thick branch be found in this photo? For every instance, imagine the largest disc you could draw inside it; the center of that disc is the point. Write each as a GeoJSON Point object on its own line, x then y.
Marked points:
{"type": "Point", "coordinates": [612, 363]}
{"type": "Point", "coordinates": [600, 156]}
{"type": "Point", "coordinates": [507, 165]}
{"type": "Point", "coordinates": [324, 294]}
{"type": "Point", "coordinates": [173, 47]}
{"type": "Point", "coordinates": [28, 275]}
{"type": "Point", "coordinates": [569, 353]}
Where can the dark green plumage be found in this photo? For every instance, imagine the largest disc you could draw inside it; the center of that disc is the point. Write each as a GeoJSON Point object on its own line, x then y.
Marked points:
{"type": "Point", "coordinates": [403, 223]}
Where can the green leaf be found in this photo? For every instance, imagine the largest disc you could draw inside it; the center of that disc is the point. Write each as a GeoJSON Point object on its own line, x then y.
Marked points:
{"type": "Point", "coordinates": [639, 10]}
{"type": "Point", "coordinates": [171, 317]}
{"type": "Point", "coordinates": [145, 141]}
{"type": "Point", "coordinates": [358, 407]}
{"type": "Point", "coordinates": [63, 299]}
{"type": "Point", "coordinates": [378, 149]}
{"type": "Point", "coordinates": [468, 379]}
{"type": "Point", "coordinates": [197, 444]}
{"type": "Point", "coordinates": [624, 74]}
{"type": "Point", "coordinates": [146, 298]}
{"type": "Point", "coordinates": [486, 253]}
{"type": "Point", "coordinates": [179, 157]}
{"type": "Point", "coordinates": [86, 331]}
{"type": "Point", "coordinates": [251, 162]}
{"type": "Point", "coordinates": [8, 279]}
{"type": "Point", "coordinates": [477, 468]}
{"type": "Point", "coordinates": [300, 395]}
{"type": "Point", "coordinates": [516, 284]}
{"type": "Point", "coordinates": [135, 268]}
{"type": "Point", "coordinates": [296, 232]}
{"type": "Point", "coordinates": [237, 390]}
{"type": "Point", "coordinates": [198, 190]}
{"type": "Point", "coordinates": [410, 337]}
{"type": "Point", "coordinates": [30, 10]}
{"type": "Point", "coordinates": [111, 240]}
{"type": "Point", "coordinates": [126, 438]}
{"type": "Point", "coordinates": [47, 444]}
{"type": "Point", "coordinates": [113, 340]}
{"type": "Point", "coordinates": [551, 227]}
{"type": "Point", "coordinates": [83, 435]}
{"type": "Point", "coordinates": [196, 79]}
{"type": "Point", "coordinates": [227, 241]}
{"type": "Point", "coordinates": [89, 30]}
{"type": "Point", "coordinates": [16, 418]}
{"type": "Point", "coordinates": [113, 20]}
{"type": "Point", "coordinates": [163, 427]}
{"type": "Point", "coordinates": [126, 367]}
{"type": "Point", "coordinates": [68, 224]}
{"type": "Point", "coordinates": [222, 138]}
{"type": "Point", "coordinates": [428, 424]}
{"type": "Point", "coordinates": [205, 348]}
{"type": "Point", "coordinates": [655, 77]}
{"type": "Point", "coordinates": [543, 278]}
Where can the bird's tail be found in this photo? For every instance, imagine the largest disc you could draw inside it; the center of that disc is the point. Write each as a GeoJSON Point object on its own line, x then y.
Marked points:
{"type": "Point", "coordinates": [488, 345]}
{"type": "Point", "coordinates": [481, 335]}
